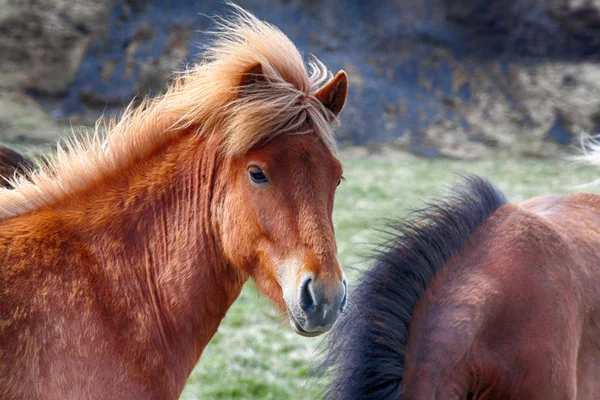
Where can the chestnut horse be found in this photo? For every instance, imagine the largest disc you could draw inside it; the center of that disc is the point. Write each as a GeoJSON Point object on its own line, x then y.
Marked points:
{"type": "Point", "coordinates": [120, 258]}
{"type": "Point", "coordinates": [477, 298]}
{"type": "Point", "coordinates": [12, 163]}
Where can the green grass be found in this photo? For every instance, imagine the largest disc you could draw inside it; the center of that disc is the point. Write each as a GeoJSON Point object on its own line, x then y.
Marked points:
{"type": "Point", "coordinates": [254, 356]}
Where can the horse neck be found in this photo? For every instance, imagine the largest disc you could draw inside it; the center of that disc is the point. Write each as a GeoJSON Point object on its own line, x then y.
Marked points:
{"type": "Point", "coordinates": [153, 233]}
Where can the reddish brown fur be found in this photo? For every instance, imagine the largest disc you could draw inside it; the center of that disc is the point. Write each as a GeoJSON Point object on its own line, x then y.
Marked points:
{"type": "Point", "coordinates": [119, 260]}
{"type": "Point", "coordinates": [514, 315]}
{"type": "Point", "coordinates": [114, 292]}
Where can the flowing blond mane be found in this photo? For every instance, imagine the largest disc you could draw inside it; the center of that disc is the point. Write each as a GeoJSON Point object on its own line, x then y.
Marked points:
{"type": "Point", "coordinates": [207, 98]}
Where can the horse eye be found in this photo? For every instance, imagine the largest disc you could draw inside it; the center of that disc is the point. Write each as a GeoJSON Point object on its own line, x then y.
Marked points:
{"type": "Point", "coordinates": [257, 175]}
{"type": "Point", "coordinates": [338, 184]}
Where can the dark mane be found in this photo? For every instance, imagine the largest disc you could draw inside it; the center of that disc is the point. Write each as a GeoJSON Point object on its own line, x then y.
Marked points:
{"type": "Point", "coordinates": [12, 163]}
{"type": "Point", "coordinates": [367, 345]}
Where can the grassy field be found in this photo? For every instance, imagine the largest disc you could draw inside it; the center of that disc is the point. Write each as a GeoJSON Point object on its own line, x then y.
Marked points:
{"type": "Point", "coordinates": [254, 356]}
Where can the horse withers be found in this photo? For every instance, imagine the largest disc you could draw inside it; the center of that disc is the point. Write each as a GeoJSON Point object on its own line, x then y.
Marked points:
{"type": "Point", "coordinates": [477, 298]}
{"type": "Point", "coordinates": [120, 257]}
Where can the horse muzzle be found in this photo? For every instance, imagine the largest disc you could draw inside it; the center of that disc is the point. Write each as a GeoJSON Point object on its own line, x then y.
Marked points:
{"type": "Point", "coordinates": [318, 305]}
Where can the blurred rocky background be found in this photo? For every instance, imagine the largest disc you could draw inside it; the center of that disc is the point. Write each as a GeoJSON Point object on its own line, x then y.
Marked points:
{"type": "Point", "coordinates": [456, 78]}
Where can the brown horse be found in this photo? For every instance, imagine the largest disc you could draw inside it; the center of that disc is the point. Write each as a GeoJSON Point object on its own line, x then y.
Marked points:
{"type": "Point", "coordinates": [12, 163]}
{"type": "Point", "coordinates": [120, 258]}
{"type": "Point", "coordinates": [477, 298]}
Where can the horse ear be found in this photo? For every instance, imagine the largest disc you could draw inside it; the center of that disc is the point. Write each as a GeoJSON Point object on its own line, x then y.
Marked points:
{"type": "Point", "coordinates": [333, 95]}
{"type": "Point", "coordinates": [252, 75]}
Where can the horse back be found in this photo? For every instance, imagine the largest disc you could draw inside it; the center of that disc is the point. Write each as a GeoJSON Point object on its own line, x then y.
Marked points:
{"type": "Point", "coordinates": [576, 218]}
{"type": "Point", "coordinates": [514, 310]}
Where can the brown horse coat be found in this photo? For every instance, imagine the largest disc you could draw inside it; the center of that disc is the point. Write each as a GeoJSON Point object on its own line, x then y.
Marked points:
{"type": "Point", "coordinates": [479, 299]}
{"type": "Point", "coordinates": [520, 309]}
{"type": "Point", "coordinates": [119, 258]}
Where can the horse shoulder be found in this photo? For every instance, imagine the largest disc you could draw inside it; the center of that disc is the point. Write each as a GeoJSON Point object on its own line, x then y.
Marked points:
{"type": "Point", "coordinates": [537, 259]}
{"type": "Point", "coordinates": [506, 297]}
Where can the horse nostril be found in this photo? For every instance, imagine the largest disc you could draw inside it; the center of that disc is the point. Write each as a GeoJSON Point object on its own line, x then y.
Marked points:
{"type": "Point", "coordinates": [321, 301]}
{"type": "Point", "coordinates": [306, 298]}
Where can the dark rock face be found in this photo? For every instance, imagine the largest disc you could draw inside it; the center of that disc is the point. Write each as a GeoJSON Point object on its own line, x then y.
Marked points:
{"type": "Point", "coordinates": [439, 77]}
{"type": "Point", "coordinates": [42, 42]}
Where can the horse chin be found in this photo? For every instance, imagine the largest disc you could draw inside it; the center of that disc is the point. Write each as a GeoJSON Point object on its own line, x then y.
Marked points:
{"type": "Point", "coordinates": [300, 331]}
{"type": "Point", "coordinates": [304, 333]}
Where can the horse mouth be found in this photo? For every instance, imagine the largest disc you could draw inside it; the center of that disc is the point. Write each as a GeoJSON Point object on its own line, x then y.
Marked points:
{"type": "Point", "coordinates": [299, 330]}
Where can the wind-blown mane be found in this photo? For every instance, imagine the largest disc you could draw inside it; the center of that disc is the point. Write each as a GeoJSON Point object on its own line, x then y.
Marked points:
{"type": "Point", "coordinates": [367, 345]}
{"type": "Point", "coordinates": [205, 99]}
